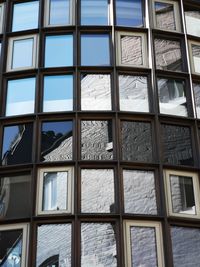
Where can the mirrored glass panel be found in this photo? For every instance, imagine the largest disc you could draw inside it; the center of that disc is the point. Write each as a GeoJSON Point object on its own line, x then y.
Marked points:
{"type": "Point", "coordinates": [56, 141]}
{"type": "Point", "coordinates": [97, 191]}
{"type": "Point", "coordinates": [95, 92]}
{"type": "Point", "coordinates": [196, 90]}
{"type": "Point", "coordinates": [192, 19]}
{"type": "Point", "coordinates": [129, 13]}
{"type": "Point", "coordinates": [136, 141]}
{"type": "Point", "coordinates": [172, 99]}
{"type": "Point", "coordinates": [133, 93]}
{"type": "Point", "coordinates": [96, 140]}
{"type": "Point", "coordinates": [60, 12]}
{"type": "Point", "coordinates": [196, 57]}
{"type": "Point", "coordinates": [58, 51]}
{"type": "Point", "coordinates": [17, 144]}
{"type": "Point", "coordinates": [139, 192]}
{"type": "Point", "coordinates": [58, 93]}
{"type": "Point", "coordinates": [177, 145]}
{"type": "Point", "coordinates": [95, 12]}
{"type": "Point", "coordinates": [95, 50]}
{"type": "Point", "coordinates": [20, 96]}
{"type": "Point", "coordinates": [25, 16]}
{"type": "Point", "coordinates": [168, 55]}
{"type": "Point", "coordinates": [98, 245]}
{"type": "Point", "coordinates": [53, 245]}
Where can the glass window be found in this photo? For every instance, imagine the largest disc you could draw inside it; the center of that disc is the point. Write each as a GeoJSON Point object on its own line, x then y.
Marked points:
{"type": "Point", "coordinates": [132, 49]}
{"type": "Point", "coordinates": [185, 246]}
{"type": "Point", "coordinates": [136, 141]}
{"type": "Point", "coordinates": [20, 96]}
{"type": "Point", "coordinates": [172, 98]}
{"type": "Point", "coordinates": [56, 141]}
{"type": "Point", "coordinates": [143, 243]}
{"type": "Point", "coordinates": [168, 55]}
{"type": "Point", "coordinates": [96, 140]}
{"type": "Point", "coordinates": [95, 92]}
{"type": "Point", "coordinates": [58, 51]}
{"type": "Point", "coordinates": [54, 245]}
{"type": "Point", "coordinates": [139, 192]}
{"type": "Point", "coordinates": [98, 244]}
{"type": "Point", "coordinates": [25, 16]}
{"type": "Point", "coordinates": [22, 53]}
{"type": "Point", "coordinates": [15, 196]}
{"type": "Point", "coordinates": [177, 145]}
{"type": "Point", "coordinates": [133, 93]}
{"type": "Point", "coordinates": [97, 191]}
{"type": "Point", "coordinates": [58, 12]}
{"type": "Point", "coordinates": [182, 193]}
{"type": "Point", "coordinates": [129, 13]}
{"type": "Point", "coordinates": [95, 12]}
{"type": "Point", "coordinates": [1, 17]}
{"type": "Point", "coordinates": [17, 144]}
{"type": "Point", "coordinates": [192, 19]}
{"type": "Point", "coordinates": [13, 244]}
{"type": "Point", "coordinates": [55, 190]}
{"type": "Point", "coordinates": [166, 15]}
{"type": "Point", "coordinates": [58, 93]}
{"type": "Point", "coordinates": [95, 50]}
{"type": "Point", "coordinates": [196, 90]}
{"type": "Point", "coordinates": [194, 50]}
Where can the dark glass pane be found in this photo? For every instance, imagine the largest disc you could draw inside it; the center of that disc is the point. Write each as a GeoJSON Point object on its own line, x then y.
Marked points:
{"type": "Point", "coordinates": [17, 144]}
{"type": "Point", "coordinates": [98, 245]}
{"type": "Point", "coordinates": [177, 145]}
{"type": "Point", "coordinates": [196, 89]}
{"type": "Point", "coordinates": [15, 196]}
{"type": "Point", "coordinates": [59, 12]}
{"type": "Point", "coordinates": [56, 140]}
{"type": "Point", "coordinates": [165, 17]}
{"type": "Point", "coordinates": [129, 13]}
{"type": "Point", "coordinates": [136, 141]}
{"type": "Point", "coordinates": [192, 19]}
{"type": "Point", "coordinates": [196, 57]}
{"type": "Point", "coordinates": [96, 140]}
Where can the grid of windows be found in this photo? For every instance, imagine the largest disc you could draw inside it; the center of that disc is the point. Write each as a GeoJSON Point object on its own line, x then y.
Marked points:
{"type": "Point", "coordinates": [99, 133]}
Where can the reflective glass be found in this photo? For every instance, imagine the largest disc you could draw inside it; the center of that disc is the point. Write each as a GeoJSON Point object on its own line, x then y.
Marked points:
{"type": "Point", "coordinates": [20, 96]}
{"type": "Point", "coordinates": [196, 89]}
{"type": "Point", "coordinates": [95, 92]}
{"type": "Point", "coordinates": [94, 12]}
{"type": "Point", "coordinates": [129, 13]}
{"type": "Point", "coordinates": [17, 144]}
{"type": "Point", "coordinates": [192, 19]}
{"type": "Point", "coordinates": [59, 51]}
{"type": "Point", "coordinates": [59, 12]}
{"type": "Point", "coordinates": [15, 199]}
{"type": "Point", "coordinates": [58, 93]}
{"type": "Point", "coordinates": [25, 16]}
{"type": "Point", "coordinates": [53, 245]}
{"type": "Point", "coordinates": [133, 93]}
{"type": "Point", "coordinates": [22, 55]}
{"type": "Point", "coordinates": [196, 57]}
{"type": "Point", "coordinates": [172, 99]}
{"type": "Point", "coordinates": [56, 144]}
{"type": "Point", "coordinates": [95, 50]}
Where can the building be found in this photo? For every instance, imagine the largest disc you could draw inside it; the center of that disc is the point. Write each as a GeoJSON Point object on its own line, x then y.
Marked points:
{"type": "Point", "coordinates": [99, 133]}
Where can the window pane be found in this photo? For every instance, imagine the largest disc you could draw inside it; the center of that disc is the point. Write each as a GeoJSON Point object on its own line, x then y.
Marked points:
{"type": "Point", "coordinates": [95, 50]}
{"type": "Point", "coordinates": [59, 13]}
{"type": "Point", "coordinates": [58, 93]}
{"type": "Point", "coordinates": [136, 141]}
{"type": "Point", "coordinates": [17, 144]}
{"type": "Point", "coordinates": [97, 190]}
{"type": "Point", "coordinates": [182, 194]}
{"type": "Point", "coordinates": [196, 57]}
{"type": "Point", "coordinates": [54, 245]}
{"type": "Point", "coordinates": [56, 141]}
{"type": "Point", "coordinates": [129, 13]}
{"type": "Point", "coordinates": [185, 246]}
{"type": "Point", "coordinates": [59, 51]}
{"type": "Point", "coordinates": [168, 55]}
{"type": "Point", "coordinates": [133, 93]}
{"type": "Point", "coordinates": [98, 245]}
{"type": "Point", "coordinates": [172, 99]}
{"type": "Point", "coordinates": [139, 192]}
{"type": "Point", "coordinates": [95, 92]}
{"type": "Point", "coordinates": [20, 96]}
{"type": "Point", "coordinates": [94, 12]}
{"type": "Point", "coordinates": [196, 89]}
{"type": "Point", "coordinates": [96, 140]}
{"type": "Point", "coordinates": [192, 19]}
{"type": "Point", "coordinates": [25, 16]}
{"type": "Point", "coordinates": [177, 145]}
{"type": "Point", "coordinates": [22, 53]}
{"type": "Point", "coordinates": [164, 15]}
